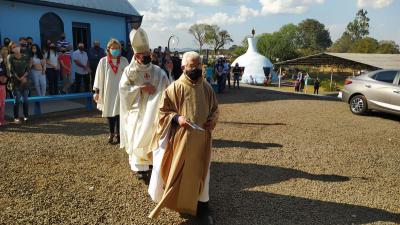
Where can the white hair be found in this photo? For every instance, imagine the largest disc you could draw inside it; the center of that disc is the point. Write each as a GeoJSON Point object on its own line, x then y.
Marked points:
{"type": "Point", "coordinates": [189, 55]}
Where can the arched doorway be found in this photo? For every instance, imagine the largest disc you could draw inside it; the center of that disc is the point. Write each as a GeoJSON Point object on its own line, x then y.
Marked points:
{"type": "Point", "coordinates": [51, 27]}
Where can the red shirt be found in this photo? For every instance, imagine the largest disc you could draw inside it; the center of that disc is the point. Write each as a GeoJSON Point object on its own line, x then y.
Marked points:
{"type": "Point", "coordinates": [66, 59]}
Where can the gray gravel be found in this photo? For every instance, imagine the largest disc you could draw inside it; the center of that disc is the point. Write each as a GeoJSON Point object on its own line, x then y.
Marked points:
{"type": "Point", "coordinates": [278, 158]}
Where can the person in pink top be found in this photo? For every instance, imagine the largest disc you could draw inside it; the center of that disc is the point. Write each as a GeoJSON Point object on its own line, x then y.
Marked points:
{"type": "Point", "coordinates": [65, 65]}
{"type": "Point", "coordinates": [3, 82]}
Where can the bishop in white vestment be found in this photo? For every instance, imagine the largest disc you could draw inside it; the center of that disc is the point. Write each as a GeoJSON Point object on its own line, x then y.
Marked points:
{"type": "Point", "coordinates": [141, 88]}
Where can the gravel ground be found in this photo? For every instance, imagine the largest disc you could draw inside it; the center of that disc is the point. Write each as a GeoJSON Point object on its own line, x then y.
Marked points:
{"type": "Point", "coordinates": [278, 158]}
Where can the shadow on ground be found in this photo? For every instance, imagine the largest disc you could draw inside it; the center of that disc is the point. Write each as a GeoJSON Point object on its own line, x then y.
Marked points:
{"type": "Point", "coordinates": [59, 127]}
{"type": "Point", "coordinates": [219, 143]}
{"type": "Point", "coordinates": [259, 94]}
{"type": "Point", "coordinates": [233, 204]}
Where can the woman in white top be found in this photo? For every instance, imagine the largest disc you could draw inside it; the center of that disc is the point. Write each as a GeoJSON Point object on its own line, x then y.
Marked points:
{"type": "Point", "coordinates": [38, 70]}
{"type": "Point", "coordinates": [106, 86]}
{"type": "Point", "coordinates": [52, 69]}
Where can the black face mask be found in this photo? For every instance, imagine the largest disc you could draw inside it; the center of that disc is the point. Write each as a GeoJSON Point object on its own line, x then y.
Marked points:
{"type": "Point", "coordinates": [81, 49]}
{"type": "Point", "coordinates": [146, 60]}
{"type": "Point", "coordinates": [194, 74]}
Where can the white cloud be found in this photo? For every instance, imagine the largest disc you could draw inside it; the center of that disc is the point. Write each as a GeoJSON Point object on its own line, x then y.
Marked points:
{"type": "Point", "coordinates": [219, 2]}
{"type": "Point", "coordinates": [183, 26]}
{"type": "Point", "coordinates": [377, 4]}
{"type": "Point", "coordinates": [165, 10]}
{"type": "Point", "coordinates": [287, 6]}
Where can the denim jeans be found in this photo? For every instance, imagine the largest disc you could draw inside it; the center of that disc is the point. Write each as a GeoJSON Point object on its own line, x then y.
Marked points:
{"type": "Point", "coordinates": [18, 93]}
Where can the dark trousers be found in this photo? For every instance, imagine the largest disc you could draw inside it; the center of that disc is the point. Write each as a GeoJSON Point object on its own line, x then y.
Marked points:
{"type": "Point", "coordinates": [235, 81]}
{"type": "Point", "coordinates": [316, 90]}
{"type": "Point", "coordinates": [228, 76]}
{"type": "Point", "coordinates": [78, 81]}
{"type": "Point", "coordinates": [220, 83]}
{"type": "Point", "coordinates": [93, 74]}
{"type": "Point", "coordinates": [113, 123]}
{"type": "Point", "coordinates": [52, 77]}
{"type": "Point", "coordinates": [18, 93]}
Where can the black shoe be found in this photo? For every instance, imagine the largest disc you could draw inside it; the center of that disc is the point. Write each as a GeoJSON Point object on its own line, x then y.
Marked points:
{"type": "Point", "coordinates": [204, 214]}
{"type": "Point", "coordinates": [144, 176]}
{"type": "Point", "coordinates": [117, 139]}
{"type": "Point", "coordinates": [111, 139]}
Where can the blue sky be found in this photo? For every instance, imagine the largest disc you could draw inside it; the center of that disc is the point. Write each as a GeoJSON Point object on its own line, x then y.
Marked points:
{"type": "Point", "coordinates": [163, 18]}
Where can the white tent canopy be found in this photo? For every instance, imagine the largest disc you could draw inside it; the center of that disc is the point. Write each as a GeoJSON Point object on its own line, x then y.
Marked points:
{"type": "Point", "coordinates": [256, 66]}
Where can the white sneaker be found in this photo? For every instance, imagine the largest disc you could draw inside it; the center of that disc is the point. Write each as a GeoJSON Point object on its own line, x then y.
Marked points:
{"type": "Point", "coordinates": [17, 120]}
{"type": "Point", "coordinates": [25, 119]}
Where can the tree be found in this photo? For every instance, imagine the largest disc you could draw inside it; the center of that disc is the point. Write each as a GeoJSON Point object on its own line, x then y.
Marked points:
{"type": "Point", "coordinates": [365, 45]}
{"type": "Point", "coordinates": [199, 33]}
{"type": "Point", "coordinates": [217, 38]}
{"type": "Point", "coordinates": [388, 47]}
{"type": "Point", "coordinates": [343, 44]}
{"type": "Point", "coordinates": [313, 37]}
{"type": "Point", "coordinates": [280, 45]}
{"type": "Point", "coordinates": [359, 27]}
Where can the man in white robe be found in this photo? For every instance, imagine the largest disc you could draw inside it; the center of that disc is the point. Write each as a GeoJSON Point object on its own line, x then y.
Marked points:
{"type": "Point", "coordinates": [141, 88]}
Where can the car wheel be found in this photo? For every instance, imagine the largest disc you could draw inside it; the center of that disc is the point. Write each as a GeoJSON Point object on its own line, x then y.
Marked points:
{"type": "Point", "coordinates": [358, 105]}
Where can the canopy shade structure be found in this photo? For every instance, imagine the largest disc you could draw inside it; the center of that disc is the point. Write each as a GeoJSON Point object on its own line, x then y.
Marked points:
{"type": "Point", "coordinates": [349, 60]}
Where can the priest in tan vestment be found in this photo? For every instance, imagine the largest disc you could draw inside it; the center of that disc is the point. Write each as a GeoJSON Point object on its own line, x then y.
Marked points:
{"type": "Point", "coordinates": [182, 146]}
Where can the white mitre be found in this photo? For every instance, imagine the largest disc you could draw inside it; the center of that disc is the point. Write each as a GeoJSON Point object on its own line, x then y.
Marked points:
{"type": "Point", "coordinates": [139, 40]}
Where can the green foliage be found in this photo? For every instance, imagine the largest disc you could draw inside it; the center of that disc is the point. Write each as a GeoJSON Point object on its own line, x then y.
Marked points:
{"type": "Point", "coordinates": [312, 37]}
{"type": "Point", "coordinates": [365, 45]}
{"type": "Point", "coordinates": [359, 27]}
{"type": "Point", "coordinates": [343, 44]}
{"type": "Point", "coordinates": [388, 47]}
{"type": "Point", "coordinates": [199, 32]}
{"type": "Point", "coordinates": [280, 45]}
{"type": "Point", "coordinates": [216, 37]}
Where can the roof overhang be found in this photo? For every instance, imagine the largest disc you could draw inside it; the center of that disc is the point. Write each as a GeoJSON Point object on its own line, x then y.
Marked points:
{"type": "Point", "coordinates": [346, 60]}
{"type": "Point", "coordinates": [73, 7]}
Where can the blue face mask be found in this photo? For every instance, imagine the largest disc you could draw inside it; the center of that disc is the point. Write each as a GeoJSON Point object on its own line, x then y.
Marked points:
{"type": "Point", "coordinates": [115, 52]}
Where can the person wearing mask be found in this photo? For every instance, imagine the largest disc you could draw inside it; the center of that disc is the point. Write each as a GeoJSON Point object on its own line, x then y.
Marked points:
{"type": "Point", "coordinates": [219, 70]}
{"type": "Point", "coordinates": [3, 83]}
{"type": "Point", "coordinates": [141, 87]}
{"type": "Point", "coordinates": [19, 65]}
{"type": "Point", "coordinates": [227, 73]}
{"type": "Point", "coordinates": [106, 87]}
{"type": "Point", "coordinates": [6, 41]}
{"type": "Point", "coordinates": [316, 85]}
{"type": "Point", "coordinates": [95, 54]}
{"type": "Point", "coordinates": [52, 69]}
{"type": "Point", "coordinates": [167, 66]}
{"type": "Point", "coordinates": [23, 44]}
{"type": "Point", "coordinates": [64, 60]}
{"type": "Point", "coordinates": [38, 70]}
{"type": "Point", "coordinates": [82, 69]}
{"type": "Point", "coordinates": [237, 71]}
{"type": "Point", "coordinates": [62, 42]}
{"type": "Point", "coordinates": [123, 49]}
{"type": "Point", "coordinates": [181, 147]}
{"type": "Point", "coordinates": [177, 62]}
{"type": "Point", "coordinates": [29, 40]}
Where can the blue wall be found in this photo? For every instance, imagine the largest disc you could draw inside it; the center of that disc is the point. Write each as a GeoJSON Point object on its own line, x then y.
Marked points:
{"type": "Point", "coordinates": [21, 20]}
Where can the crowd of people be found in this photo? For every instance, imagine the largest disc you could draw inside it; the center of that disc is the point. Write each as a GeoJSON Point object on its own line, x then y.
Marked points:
{"type": "Point", "coordinates": [303, 79]}
{"type": "Point", "coordinates": [156, 104]}
{"type": "Point", "coordinates": [26, 69]}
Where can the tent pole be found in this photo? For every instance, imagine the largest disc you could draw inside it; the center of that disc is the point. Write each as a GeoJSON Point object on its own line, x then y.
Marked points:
{"type": "Point", "coordinates": [331, 77]}
{"type": "Point", "coordinates": [279, 77]}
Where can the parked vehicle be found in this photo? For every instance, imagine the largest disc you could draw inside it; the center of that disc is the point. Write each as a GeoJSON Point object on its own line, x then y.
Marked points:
{"type": "Point", "coordinates": [377, 90]}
